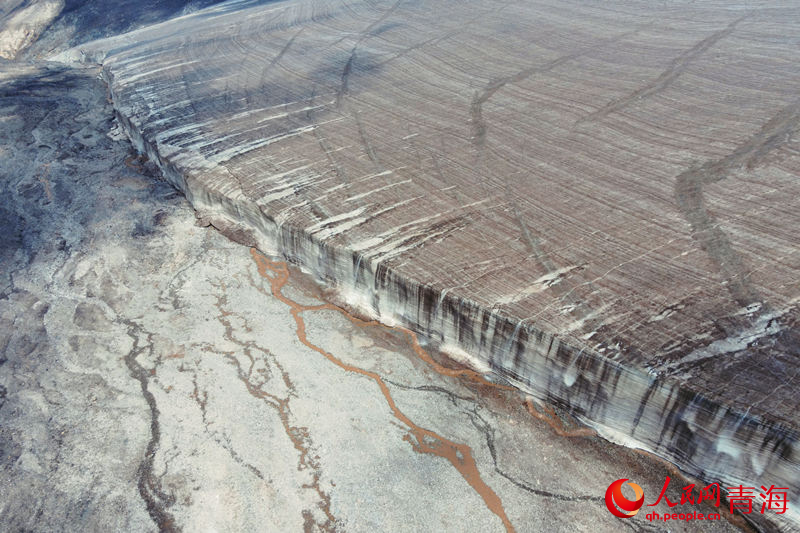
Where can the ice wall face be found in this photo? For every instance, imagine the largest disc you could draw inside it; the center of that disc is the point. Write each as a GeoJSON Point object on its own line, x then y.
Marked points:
{"type": "Point", "coordinates": [598, 202]}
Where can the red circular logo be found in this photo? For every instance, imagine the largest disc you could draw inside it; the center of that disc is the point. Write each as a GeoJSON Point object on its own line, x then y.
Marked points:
{"type": "Point", "coordinates": [616, 501]}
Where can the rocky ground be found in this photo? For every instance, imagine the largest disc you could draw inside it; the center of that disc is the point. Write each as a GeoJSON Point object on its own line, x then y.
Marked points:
{"type": "Point", "coordinates": [155, 375]}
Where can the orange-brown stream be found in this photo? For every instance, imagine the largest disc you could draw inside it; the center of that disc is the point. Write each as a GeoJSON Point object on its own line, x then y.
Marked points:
{"type": "Point", "coordinates": [424, 440]}
{"type": "Point", "coordinates": [459, 455]}
{"type": "Point", "coordinates": [297, 435]}
{"type": "Point", "coordinates": [551, 418]}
